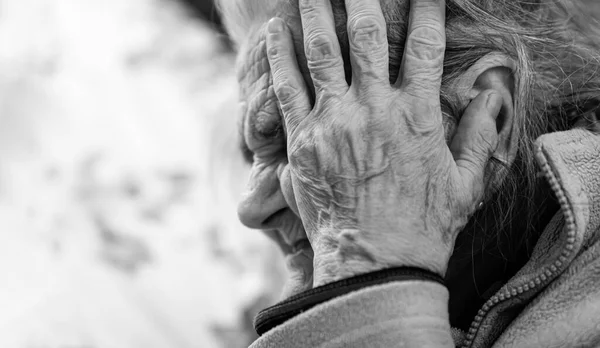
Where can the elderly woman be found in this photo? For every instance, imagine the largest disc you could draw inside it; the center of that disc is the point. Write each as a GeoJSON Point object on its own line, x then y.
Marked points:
{"type": "Point", "coordinates": [431, 169]}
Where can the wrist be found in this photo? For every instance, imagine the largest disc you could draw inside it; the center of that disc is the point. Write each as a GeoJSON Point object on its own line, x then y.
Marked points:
{"type": "Point", "coordinates": [341, 254]}
{"type": "Point", "coordinates": [330, 268]}
{"type": "Point", "coordinates": [345, 253]}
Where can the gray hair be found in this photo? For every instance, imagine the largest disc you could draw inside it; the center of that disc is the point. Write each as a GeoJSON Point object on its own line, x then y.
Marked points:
{"type": "Point", "coordinates": [554, 43]}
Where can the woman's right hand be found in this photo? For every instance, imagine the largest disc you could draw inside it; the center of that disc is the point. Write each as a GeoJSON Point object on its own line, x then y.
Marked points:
{"type": "Point", "coordinates": [375, 182]}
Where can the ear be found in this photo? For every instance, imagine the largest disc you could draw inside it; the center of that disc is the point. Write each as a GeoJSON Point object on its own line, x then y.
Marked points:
{"type": "Point", "coordinates": [493, 71]}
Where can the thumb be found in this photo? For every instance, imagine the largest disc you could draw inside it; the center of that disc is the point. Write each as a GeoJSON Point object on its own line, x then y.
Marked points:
{"type": "Point", "coordinates": [476, 137]}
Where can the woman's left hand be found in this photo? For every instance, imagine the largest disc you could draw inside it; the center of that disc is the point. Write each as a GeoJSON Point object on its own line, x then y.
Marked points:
{"type": "Point", "coordinates": [374, 181]}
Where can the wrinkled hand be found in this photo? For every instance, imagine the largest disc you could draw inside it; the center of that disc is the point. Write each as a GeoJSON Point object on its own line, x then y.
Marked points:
{"type": "Point", "coordinates": [374, 181]}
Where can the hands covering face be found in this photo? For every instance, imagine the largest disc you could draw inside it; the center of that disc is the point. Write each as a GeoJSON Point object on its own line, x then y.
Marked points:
{"type": "Point", "coordinates": [374, 181]}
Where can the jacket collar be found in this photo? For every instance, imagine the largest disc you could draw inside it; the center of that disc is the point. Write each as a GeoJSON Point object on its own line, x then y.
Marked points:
{"type": "Point", "coordinates": [570, 161]}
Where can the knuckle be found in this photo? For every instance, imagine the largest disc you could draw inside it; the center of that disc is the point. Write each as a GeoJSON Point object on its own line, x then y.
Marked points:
{"type": "Point", "coordinates": [426, 42]}
{"type": "Point", "coordinates": [286, 90]}
{"type": "Point", "coordinates": [303, 153]}
{"type": "Point", "coordinates": [366, 28]}
{"type": "Point", "coordinates": [319, 47]}
{"type": "Point", "coordinates": [309, 6]}
{"type": "Point", "coordinates": [278, 54]}
{"type": "Point", "coordinates": [274, 51]}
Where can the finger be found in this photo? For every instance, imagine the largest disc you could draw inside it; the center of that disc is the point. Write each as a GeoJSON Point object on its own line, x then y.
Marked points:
{"type": "Point", "coordinates": [368, 41]}
{"type": "Point", "coordinates": [321, 47]}
{"type": "Point", "coordinates": [288, 84]}
{"type": "Point", "coordinates": [476, 138]}
{"type": "Point", "coordinates": [423, 59]}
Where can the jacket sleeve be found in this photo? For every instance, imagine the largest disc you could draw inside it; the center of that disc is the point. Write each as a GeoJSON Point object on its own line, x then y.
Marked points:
{"type": "Point", "coordinates": [395, 314]}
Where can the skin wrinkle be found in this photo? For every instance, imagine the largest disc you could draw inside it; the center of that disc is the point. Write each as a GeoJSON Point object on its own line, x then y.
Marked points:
{"type": "Point", "coordinates": [262, 74]}
{"type": "Point", "coordinates": [252, 55]}
{"type": "Point", "coordinates": [425, 37]}
{"type": "Point", "coordinates": [261, 97]}
{"type": "Point", "coordinates": [258, 143]}
{"type": "Point", "coordinates": [267, 120]}
{"type": "Point", "coordinates": [320, 52]}
{"type": "Point", "coordinates": [350, 184]}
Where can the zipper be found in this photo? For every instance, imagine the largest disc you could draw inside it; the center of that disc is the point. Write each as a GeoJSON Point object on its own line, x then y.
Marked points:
{"type": "Point", "coordinates": [548, 272]}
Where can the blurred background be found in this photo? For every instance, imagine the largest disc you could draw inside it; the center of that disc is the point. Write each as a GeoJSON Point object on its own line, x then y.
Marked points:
{"type": "Point", "coordinates": [119, 176]}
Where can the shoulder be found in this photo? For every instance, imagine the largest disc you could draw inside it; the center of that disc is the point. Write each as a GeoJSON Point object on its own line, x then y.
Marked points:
{"type": "Point", "coordinates": [567, 312]}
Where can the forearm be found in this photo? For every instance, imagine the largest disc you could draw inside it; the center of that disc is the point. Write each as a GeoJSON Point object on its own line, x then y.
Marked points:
{"type": "Point", "coordinates": [411, 313]}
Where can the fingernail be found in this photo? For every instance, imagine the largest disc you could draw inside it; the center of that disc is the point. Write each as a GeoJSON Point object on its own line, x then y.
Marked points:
{"type": "Point", "coordinates": [275, 26]}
